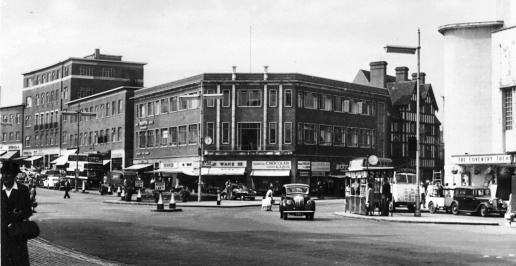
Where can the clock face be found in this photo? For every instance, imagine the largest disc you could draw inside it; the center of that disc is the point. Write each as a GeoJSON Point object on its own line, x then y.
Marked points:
{"type": "Point", "coordinates": [372, 160]}
{"type": "Point", "coordinates": [208, 140]}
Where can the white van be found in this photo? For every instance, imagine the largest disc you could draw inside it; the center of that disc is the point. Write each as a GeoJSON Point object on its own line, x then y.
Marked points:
{"type": "Point", "coordinates": [404, 190]}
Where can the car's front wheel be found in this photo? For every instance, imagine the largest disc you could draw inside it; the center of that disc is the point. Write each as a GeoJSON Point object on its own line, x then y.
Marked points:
{"type": "Point", "coordinates": [454, 209]}
{"type": "Point", "coordinates": [483, 211]}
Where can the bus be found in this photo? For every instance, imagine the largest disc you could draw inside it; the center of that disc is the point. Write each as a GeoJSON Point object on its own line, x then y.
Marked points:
{"type": "Point", "coordinates": [90, 169]}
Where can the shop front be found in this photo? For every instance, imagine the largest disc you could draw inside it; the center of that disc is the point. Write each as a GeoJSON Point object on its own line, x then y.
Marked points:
{"type": "Point", "coordinates": [319, 181]}
{"type": "Point", "coordinates": [265, 173]}
{"type": "Point", "coordinates": [487, 170]}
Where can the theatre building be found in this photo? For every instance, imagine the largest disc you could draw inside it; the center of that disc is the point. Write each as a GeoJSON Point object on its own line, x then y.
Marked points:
{"type": "Point", "coordinates": [258, 129]}
{"type": "Point", "coordinates": [11, 130]}
{"type": "Point", "coordinates": [47, 91]}
{"type": "Point", "coordinates": [109, 133]}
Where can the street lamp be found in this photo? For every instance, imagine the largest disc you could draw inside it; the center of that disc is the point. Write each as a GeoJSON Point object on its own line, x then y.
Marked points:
{"type": "Point", "coordinates": [417, 51]}
{"type": "Point", "coordinates": [78, 114]}
{"type": "Point", "coordinates": [201, 96]}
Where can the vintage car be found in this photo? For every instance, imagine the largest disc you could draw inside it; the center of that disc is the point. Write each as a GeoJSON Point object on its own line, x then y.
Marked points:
{"type": "Point", "coordinates": [476, 200]}
{"type": "Point", "coordinates": [295, 200]}
{"type": "Point", "coordinates": [238, 191]}
{"type": "Point", "coordinates": [439, 198]}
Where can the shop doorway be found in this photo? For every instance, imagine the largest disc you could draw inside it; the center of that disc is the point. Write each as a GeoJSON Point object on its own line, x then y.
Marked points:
{"type": "Point", "coordinates": [248, 136]}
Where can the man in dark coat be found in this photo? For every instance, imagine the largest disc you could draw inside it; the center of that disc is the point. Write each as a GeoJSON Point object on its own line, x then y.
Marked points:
{"type": "Point", "coordinates": [16, 206]}
{"type": "Point", "coordinates": [67, 189]}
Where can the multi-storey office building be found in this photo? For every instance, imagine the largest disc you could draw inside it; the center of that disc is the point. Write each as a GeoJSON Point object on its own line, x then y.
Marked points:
{"type": "Point", "coordinates": [265, 128]}
{"type": "Point", "coordinates": [46, 92]}
{"type": "Point", "coordinates": [402, 117]}
{"type": "Point", "coordinates": [109, 133]}
{"type": "Point", "coordinates": [11, 130]}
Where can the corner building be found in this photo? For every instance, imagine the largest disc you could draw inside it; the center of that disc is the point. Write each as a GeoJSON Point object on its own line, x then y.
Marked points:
{"type": "Point", "coordinates": [263, 128]}
{"type": "Point", "coordinates": [47, 90]}
{"type": "Point", "coordinates": [11, 130]}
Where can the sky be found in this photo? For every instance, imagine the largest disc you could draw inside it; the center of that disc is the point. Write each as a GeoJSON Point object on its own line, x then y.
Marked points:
{"type": "Point", "coordinates": [181, 38]}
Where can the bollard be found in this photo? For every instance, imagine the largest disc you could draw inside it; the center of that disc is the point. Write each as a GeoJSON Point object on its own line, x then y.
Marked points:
{"type": "Point", "coordinates": [122, 195]}
{"type": "Point", "coordinates": [172, 203]}
{"type": "Point", "coordinates": [109, 190]}
{"type": "Point", "coordinates": [139, 196]}
{"type": "Point", "coordinates": [119, 191]}
{"type": "Point", "coordinates": [159, 205]}
{"type": "Point", "coordinates": [83, 186]}
{"type": "Point", "coordinates": [218, 196]}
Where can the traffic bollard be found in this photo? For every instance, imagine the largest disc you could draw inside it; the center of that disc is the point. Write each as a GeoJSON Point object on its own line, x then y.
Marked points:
{"type": "Point", "coordinates": [218, 197]}
{"type": "Point", "coordinates": [83, 186]}
{"type": "Point", "coordinates": [172, 203]}
{"type": "Point", "coordinates": [122, 195]}
{"type": "Point", "coordinates": [159, 205]}
{"type": "Point", "coordinates": [139, 196]}
{"type": "Point", "coordinates": [119, 191]}
{"type": "Point", "coordinates": [109, 190]}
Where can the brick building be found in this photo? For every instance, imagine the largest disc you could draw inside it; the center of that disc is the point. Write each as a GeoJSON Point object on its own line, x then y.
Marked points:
{"type": "Point", "coordinates": [47, 91]}
{"type": "Point", "coordinates": [402, 116]}
{"type": "Point", "coordinates": [11, 130]}
{"type": "Point", "coordinates": [266, 128]}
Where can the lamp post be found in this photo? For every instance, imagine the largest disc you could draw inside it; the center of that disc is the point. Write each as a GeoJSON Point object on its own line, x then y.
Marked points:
{"type": "Point", "coordinates": [201, 96]}
{"type": "Point", "coordinates": [413, 50]}
{"type": "Point", "coordinates": [78, 114]}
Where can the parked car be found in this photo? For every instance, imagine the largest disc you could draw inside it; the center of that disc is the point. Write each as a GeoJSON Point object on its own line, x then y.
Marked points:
{"type": "Point", "coordinates": [476, 200]}
{"type": "Point", "coordinates": [439, 198]}
{"type": "Point", "coordinates": [295, 200]}
{"type": "Point", "coordinates": [238, 191]}
{"type": "Point", "coordinates": [51, 178]}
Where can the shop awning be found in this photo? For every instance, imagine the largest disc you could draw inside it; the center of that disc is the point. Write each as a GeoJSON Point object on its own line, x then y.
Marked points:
{"type": "Point", "coordinates": [104, 162]}
{"type": "Point", "coordinates": [2, 152]}
{"type": "Point", "coordinates": [9, 155]}
{"type": "Point", "coordinates": [33, 158]}
{"type": "Point", "coordinates": [136, 167]}
{"type": "Point", "coordinates": [61, 160]}
{"type": "Point", "coordinates": [339, 176]}
{"type": "Point", "coordinates": [165, 171]}
{"type": "Point", "coordinates": [224, 171]}
{"type": "Point", "coordinates": [270, 173]}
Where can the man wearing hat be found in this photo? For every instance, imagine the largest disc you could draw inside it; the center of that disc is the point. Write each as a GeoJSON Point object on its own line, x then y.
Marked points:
{"type": "Point", "coordinates": [16, 206]}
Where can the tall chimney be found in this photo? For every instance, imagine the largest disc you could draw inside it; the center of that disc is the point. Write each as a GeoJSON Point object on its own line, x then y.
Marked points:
{"type": "Point", "coordinates": [402, 73]}
{"type": "Point", "coordinates": [97, 53]}
{"type": "Point", "coordinates": [422, 76]}
{"type": "Point", "coordinates": [265, 72]}
{"type": "Point", "coordinates": [233, 76]}
{"type": "Point", "coordinates": [378, 74]}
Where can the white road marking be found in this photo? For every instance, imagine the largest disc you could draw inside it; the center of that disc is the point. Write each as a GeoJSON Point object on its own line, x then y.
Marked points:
{"type": "Point", "coordinates": [486, 256]}
{"type": "Point", "coordinates": [499, 257]}
{"type": "Point", "coordinates": [511, 255]}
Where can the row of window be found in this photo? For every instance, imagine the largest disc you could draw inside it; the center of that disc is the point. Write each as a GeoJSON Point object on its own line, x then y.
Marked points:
{"type": "Point", "coordinates": [93, 137]}
{"type": "Point", "coordinates": [508, 106]}
{"type": "Point", "coordinates": [13, 136]}
{"type": "Point", "coordinates": [181, 135]}
{"type": "Point", "coordinates": [104, 71]}
{"type": "Point", "coordinates": [108, 109]}
{"type": "Point", "coordinates": [310, 100]}
{"type": "Point", "coordinates": [47, 77]}
{"type": "Point", "coordinates": [41, 140]}
{"type": "Point", "coordinates": [45, 118]}
{"type": "Point", "coordinates": [46, 97]}
{"type": "Point", "coordinates": [12, 119]}
{"type": "Point", "coordinates": [328, 135]}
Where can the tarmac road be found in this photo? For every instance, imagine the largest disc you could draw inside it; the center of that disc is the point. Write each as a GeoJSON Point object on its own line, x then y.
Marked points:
{"type": "Point", "coordinates": [129, 234]}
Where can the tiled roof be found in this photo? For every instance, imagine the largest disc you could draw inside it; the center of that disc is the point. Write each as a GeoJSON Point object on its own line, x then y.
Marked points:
{"type": "Point", "coordinates": [402, 91]}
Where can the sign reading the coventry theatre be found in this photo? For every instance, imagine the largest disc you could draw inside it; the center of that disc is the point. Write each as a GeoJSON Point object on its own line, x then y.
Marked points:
{"type": "Point", "coordinates": [483, 159]}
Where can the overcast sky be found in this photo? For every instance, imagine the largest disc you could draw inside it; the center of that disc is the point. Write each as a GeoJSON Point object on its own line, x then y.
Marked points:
{"type": "Point", "coordinates": [181, 38]}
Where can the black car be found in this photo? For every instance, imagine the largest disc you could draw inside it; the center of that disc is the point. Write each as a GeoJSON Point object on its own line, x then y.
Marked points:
{"type": "Point", "coordinates": [238, 191]}
{"type": "Point", "coordinates": [476, 200]}
{"type": "Point", "coordinates": [295, 200]}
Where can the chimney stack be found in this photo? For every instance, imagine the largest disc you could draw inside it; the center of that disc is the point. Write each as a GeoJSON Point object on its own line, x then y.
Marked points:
{"type": "Point", "coordinates": [378, 74]}
{"type": "Point", "coordinates": [401, 73]}
{"type": "Point", "coordinates": [233, 76]}
{"type": "Point", "coordinates": [265, 72]}
{"type": "Point", "coordinates": [422, 76]}
{"type": "Point", "coordinates": [97, 53]}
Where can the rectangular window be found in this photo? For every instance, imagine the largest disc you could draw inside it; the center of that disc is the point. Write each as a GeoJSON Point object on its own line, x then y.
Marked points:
{"type": "Point", "coordinates": [173, 104]}
{"type": "Point", "coordinates": [27, 141]}
{"type": "Point", "coordinates": [210, 102]}
{"type": "Point", "coordinates": [183, 103]}
{"type": "Point", "coordinates": [273, 132]}
{"type": "Point", "coordinates": [346, 106]}
{"type": "Point", "coordinates": [325, 135]}
{"type": "Point", "coordinates": [164, 136]}
{"type": "Point", "coordinates": [326, 103]}
{"type": "Point", "coordinates": [300, 99]}
{"type": "Point", "coordinates": [173, 136]}
{"type": "Point", "coordinates": [84, 71]}
{"type": "Point", "coordinates": [113, 108]}
{"type": "Point", "coordinates": [309, 133]}
{"type": "Point", "coordinates": [273, 98]}
{"type": "Point", "coordinates": [164, 106]}
{"type": "Point", "coordinates": [150, 138]}
{"type": "Point", "coordinates": [113, 134]}
{"type": "Point", "coordinates": [157, 138]}
{"type": "Point", "coordinates": [299, 133]}
{"type": "Point", "coordinates": [142, 139]}
{"type": "Point", "coordinates": [288, 98]}
{"type": "Point", "coordinates": [120, 107]}
{"type": "Point", "coordinates": [287, 133]}
{"type": "Point", "coordinates": [193, 134]}
{"type": "Point", "coordinates": [226, 98]}
{"type": "Point", "coordinates": [150, 108]}
{"type": "Point", "coordinates": [354, 137]}
{"type": "Point", "coordinates": [339, 135]}
{"type": "Point", "coordinates": [508, 107]}
{"type": "Point", "coordinates": [338, 104]}
{"type": "Point", "coordinates": [182, 135]}
{"type": "Point", "coordinates": [157, 107]}
{"type": "Point", "coordinates": [311, 100]}
{"type": "Point", "coordinates": [119, 134]}
{"type": "Point", "coordinates": [108, 107]}
{"type": "Point", "coordinates": [210, 131]}
{"type": "Point", "coordinates": [18, 136]}
{"type": "Point", "coordinates": [225, 133]}
{"type": "Point", "coordinates": [249, 98]}
{"type": "Point", "coordinates": [106, 72]}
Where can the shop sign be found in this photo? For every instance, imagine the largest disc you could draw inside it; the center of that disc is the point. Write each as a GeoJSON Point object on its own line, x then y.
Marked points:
{"type": "Point", "coordinates": [304, 173]}
{"type": "Point", "coordinates": [320, 166]}
{"type": "Point", "coordinates": [227, 164]}
{"type": "Point", "coordinates": [483, 159]}
{"type": "Point", "coordinates": [159, 186]}
{"type": "Point", "coordinates": [341, 167]}
{"type": "Point", "coordinates": [138, 183]}
{"type": "Point", "coordinates": [303, 165]}
{"type": "Point", "coordinates": [27, 153]}
{"type": "Point", "coordinates": [271, 165]}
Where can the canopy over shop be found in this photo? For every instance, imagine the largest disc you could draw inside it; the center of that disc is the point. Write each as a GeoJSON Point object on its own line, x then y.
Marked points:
{"type": "Point", "coordinates": [488, 170]}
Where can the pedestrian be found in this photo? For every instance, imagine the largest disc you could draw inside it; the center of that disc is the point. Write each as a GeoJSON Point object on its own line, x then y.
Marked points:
{"type": "Point", "coordinates": [423, 194]}
{"type": "Point", "coordinates": [268, 197]}
{"type": "Point", "coordinates": [67, 188]}
{"type": "Point", "coordinates": [32, 194]}
{"type": "Point", "coordinates": [320, 190]}
{"type": "Point", "coordinates": [370, 199]}
{"type": "Point", "coordinates": [386, 196]}
{"type": "Point", "coordinates": [16, 207]}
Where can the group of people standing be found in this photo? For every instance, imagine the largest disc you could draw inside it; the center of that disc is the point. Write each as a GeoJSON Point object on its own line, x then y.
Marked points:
{"type": "Point", "coordinates": [385, 203]}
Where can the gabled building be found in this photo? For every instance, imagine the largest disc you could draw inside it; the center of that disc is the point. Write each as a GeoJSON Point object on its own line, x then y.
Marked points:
{"type": "Point", "coordinates": [402, 118]}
